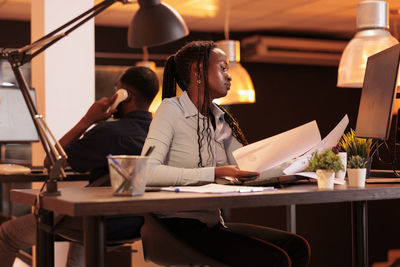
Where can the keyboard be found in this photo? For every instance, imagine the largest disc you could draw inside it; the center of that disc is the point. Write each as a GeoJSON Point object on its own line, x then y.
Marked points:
{"type": "Point", "coordinates": [9, 169]}
{"type": "Point", "coordinates": [382, 180]}
{"type": "Point", "coordinates": [382, 177]}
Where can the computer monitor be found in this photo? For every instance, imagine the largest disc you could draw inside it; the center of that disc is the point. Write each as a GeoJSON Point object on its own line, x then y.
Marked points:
{"type": "Point", "coordinates": [16, 125]}
{"type": "Point", "coordinates": [378, 94]}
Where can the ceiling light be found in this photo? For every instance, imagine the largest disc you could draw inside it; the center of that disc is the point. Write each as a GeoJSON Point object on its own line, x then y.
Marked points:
{"type": "Point", "coordinates": [373, 37]}
{"type": "Point", "coordinates": [155, 23]}
{"type": "Point", "coordinates": [242, 89]}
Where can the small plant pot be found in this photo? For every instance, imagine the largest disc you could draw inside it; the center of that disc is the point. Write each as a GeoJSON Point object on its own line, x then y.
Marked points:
{"type": "Point", "coordinates": [325, 179]}
{"type": "Point", "coordinates": [343, 159]}
{"type": "Point", "coordinates": [357, 177]}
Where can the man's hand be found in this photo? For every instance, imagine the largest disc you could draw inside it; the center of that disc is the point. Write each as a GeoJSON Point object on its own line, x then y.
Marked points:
{"type": "Point", "coordinates": [97, 112]}
{"type": "Point", "coordinates": [100, 110]}
{"type": "Point", "coordinates": [234, 171]}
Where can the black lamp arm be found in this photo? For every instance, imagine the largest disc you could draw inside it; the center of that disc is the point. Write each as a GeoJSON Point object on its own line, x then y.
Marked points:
{"type": "Point", "coordinates": [17, 58]}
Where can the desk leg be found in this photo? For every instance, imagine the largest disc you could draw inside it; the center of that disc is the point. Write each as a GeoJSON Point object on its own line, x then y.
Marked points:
{"type": "Point", "coordinates": [45, 241]}
{"type": "Point", "coordinates": [291, 218]}
{"type": "Point", "coordinates": [360, 233]}
{"type": "Point", "coordinates": [94, 241]}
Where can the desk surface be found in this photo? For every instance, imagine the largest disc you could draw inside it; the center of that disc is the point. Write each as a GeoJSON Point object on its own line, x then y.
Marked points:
{"type": "Point", "coordinates": [100, 200]}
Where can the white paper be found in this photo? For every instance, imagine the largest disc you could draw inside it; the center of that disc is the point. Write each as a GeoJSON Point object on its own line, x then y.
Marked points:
{"type": "Point", "coordinates": [331, 140]}
{"type": "Point", "coordinates": [275, 150]}
{"type": "Point", "coordinates": [217, 189]}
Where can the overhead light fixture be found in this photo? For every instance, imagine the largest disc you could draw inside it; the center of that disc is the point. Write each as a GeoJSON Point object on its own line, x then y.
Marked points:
{"type": "Point", "coordinates": [155, 23]}
{"type": "Point", "coordinates": [373, 36]}
{"type": "Point", "coordinates": [242, 89]}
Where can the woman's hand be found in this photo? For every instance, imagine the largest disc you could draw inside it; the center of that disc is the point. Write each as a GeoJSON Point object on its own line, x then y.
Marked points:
{"type": "Point", "coordinates": [234, 171]}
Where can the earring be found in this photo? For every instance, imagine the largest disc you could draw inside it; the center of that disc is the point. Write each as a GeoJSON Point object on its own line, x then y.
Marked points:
{"type": "Point", "coordinates": [198, 79]}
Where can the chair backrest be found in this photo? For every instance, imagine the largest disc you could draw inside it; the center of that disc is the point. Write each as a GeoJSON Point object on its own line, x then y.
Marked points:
{"type": "Point", "coordinates": [162, 247]}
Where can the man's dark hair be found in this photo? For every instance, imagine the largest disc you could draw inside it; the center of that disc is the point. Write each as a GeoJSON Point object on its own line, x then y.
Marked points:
{"type": "Point", "coordinates": [143, 82]}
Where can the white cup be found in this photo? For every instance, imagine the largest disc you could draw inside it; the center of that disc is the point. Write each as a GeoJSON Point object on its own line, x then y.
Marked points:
{"type": "Point", "coordinates": [128, 174]}
{"type": "Point", "coordinates": [343, 158]}
{"type": "Point", "coordinates": [325, 179]}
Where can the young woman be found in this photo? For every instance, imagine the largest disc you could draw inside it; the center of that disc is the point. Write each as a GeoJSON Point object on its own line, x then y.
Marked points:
{"type": "Point", "coordinates": [194, 140]}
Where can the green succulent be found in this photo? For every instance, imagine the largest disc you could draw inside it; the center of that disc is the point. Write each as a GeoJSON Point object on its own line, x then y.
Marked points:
{"type": "Point", "coordinates": [356, 162]}
{"type": "Point", "coordinates": [326, 160]}
{"type": "Point", "coordinates": [353, 145]}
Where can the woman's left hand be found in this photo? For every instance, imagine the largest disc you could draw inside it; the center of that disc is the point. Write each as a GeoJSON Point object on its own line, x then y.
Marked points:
{"type": "Point", "coordinates": [234, 171]}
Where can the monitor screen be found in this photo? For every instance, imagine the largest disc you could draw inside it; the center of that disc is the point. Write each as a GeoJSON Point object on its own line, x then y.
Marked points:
{"type": "Point", "coordinates": [378, 94]}
{"type": "Point", "coordinates": [16, 125]}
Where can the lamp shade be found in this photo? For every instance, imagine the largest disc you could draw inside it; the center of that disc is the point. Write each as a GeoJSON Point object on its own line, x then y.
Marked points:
{"type": "Point", "coordinates": [373, 37]}
{"type": "Point", "coordinates": [155, 23]}
{"type": "Point", "coordinates": [242, 89]}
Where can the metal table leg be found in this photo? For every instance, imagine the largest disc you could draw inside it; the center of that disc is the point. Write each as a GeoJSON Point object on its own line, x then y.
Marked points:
{"type": "Point", "coordinates": [44, 241]}
{"type": "Point", "coordinates": [94, 241]}
{"type": "Point", "coordinates": [360, 233]}
{"type": "Point", "coordinates": [291, 218]}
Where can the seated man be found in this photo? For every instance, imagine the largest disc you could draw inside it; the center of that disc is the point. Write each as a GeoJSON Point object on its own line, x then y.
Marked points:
{"type": "Point", "coordinates": [88, 153]}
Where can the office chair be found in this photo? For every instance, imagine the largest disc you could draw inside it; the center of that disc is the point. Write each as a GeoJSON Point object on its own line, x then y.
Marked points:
{"type": "Point", "coordinates": [164, 248]}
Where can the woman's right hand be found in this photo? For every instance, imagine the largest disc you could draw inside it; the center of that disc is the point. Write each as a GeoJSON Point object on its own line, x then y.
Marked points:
{"type": "Point", "coordinates": [234, 171]}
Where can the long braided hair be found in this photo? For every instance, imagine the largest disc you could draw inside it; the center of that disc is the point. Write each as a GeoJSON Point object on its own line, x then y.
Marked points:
{"type": "Point", "coordinates": [177, 71]}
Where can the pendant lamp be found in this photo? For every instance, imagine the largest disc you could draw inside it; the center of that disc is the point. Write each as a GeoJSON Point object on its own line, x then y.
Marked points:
{"type": "Point", "coordinates": [242, 89]}
{"type": "Point", "coordinates": [373, 36]}
{"type": "Point", "coordinates": [155, 23]}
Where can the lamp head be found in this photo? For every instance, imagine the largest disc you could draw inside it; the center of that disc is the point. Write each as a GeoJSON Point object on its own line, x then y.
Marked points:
{"type": "Point", "coordinates": [155, 23]}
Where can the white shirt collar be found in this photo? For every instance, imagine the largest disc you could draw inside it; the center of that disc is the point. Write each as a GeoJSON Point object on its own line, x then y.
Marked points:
{"type": "Point", "coordinates": [190, 109]}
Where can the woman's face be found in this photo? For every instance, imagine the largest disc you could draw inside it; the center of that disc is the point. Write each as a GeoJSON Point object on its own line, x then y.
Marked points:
{"type": "Point", "coordinates": [219, 80]}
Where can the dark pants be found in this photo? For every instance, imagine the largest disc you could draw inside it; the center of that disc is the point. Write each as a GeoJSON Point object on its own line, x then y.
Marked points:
{"type": "Point", "coordinates": [242, 244]}
{"type": "Point", "coordinates": [117, 228]}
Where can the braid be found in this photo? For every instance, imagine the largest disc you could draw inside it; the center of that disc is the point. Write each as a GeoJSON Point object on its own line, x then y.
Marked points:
{"type": "Point", "coordinates": [233, 123]}
{"type": "Point", "coordinates": [169, 83]}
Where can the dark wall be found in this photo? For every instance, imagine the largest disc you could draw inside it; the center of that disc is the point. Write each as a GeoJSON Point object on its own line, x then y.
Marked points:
{"type": "Point", "coordinates": [286, 96]}
{"type": "Point", "coordinates": [290, 95]}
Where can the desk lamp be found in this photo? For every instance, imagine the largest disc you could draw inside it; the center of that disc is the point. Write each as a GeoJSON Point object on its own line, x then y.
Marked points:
{"type": "Point", "coordinates": [155, 23]}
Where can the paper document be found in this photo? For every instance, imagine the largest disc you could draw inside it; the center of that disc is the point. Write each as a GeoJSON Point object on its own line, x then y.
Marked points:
{"type": "Point", "coordinates": [331, 140]}
{"type": "Point", "coordinates": [270, 152]}
{"type": "Point", "coordinates": [217, 189]}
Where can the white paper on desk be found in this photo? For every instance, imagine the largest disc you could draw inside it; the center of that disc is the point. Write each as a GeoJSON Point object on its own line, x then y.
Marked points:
{"type": "Point", "coordinates": [217, 189]}
{"type": "Point", "coordinates": [275, 150]}
{"type": "Point", "coordinates": [329, 141]}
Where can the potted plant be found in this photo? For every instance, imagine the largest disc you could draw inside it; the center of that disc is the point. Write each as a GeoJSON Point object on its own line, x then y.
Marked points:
{"type": "Point", "coordinates": [356, 171]}
{"type": "Point", "coordinates": [343, 157]}
{"type": "Point", "coordinates": [325, 164]}
{"type": "Point", "coordinates": [363, 147]}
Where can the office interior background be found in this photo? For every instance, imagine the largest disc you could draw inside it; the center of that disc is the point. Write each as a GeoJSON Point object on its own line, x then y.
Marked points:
{"type": "Point", "coordinates": [289, 93]}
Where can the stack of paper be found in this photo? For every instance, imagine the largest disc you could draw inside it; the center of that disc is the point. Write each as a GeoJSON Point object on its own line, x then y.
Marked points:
{"type": "Point", "coordinates": [289, 151]}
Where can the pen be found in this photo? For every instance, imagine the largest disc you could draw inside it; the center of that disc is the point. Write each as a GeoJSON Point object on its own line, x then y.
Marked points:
{"type": "Point", "coordinates": [149, 150]}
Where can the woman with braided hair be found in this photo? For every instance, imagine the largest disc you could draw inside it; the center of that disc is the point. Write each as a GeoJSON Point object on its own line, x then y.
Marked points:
{"type": "Point", "coordinates": [194, 139]}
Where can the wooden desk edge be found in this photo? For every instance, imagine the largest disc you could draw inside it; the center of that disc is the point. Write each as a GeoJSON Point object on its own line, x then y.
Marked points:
{"type": "Point", "coordinates": [99, 201]}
